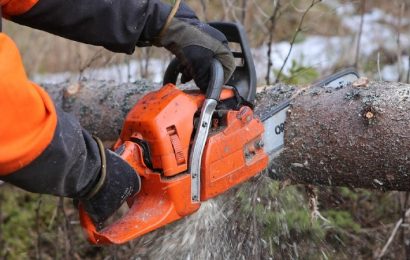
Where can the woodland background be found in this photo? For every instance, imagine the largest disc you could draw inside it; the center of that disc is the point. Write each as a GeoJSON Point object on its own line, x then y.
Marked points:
{"type": "Point", "coordinates": [294, 42]}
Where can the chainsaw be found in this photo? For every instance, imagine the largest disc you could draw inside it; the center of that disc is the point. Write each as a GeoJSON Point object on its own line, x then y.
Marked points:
{"type": "Point", "coordinates": [189, 147]}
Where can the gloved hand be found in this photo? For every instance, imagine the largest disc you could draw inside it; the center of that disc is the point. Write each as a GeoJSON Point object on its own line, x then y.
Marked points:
{"type": "Point", "coordinates": [120, 183]}
{"type": "Point", "coordinates": [196, 44]}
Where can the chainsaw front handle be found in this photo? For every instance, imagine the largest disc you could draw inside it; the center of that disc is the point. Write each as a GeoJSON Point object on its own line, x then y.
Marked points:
{"type": "Point", "coordinates": [216, 80]}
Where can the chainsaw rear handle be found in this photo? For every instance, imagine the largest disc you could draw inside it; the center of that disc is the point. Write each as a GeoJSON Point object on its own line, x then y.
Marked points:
{"type": "Point", "coordinates": [216, 79]}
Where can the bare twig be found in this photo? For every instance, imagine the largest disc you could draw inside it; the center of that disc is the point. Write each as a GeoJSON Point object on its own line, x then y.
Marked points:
{"type": "Point", "coordinates": [378, 66]}
{"type": "Point", "coordinates": [235, 7]}
{"type": "Point", "coordinates": [313, 205]}
{"type": "Point", "coordinates": [147, 59]}
{"type": "Point", "coordinates": [144, 56]}
{"type": "Point", "coordinates": [82, 67]}
{"type": "Point", "coordinates": [1, 222]}
{"type": "Point", "coordinates": [404, 240]}
{"type": "Point", "coordinates": [225, 8]}
{"type": "Point", "coordinates": [393, 234]}
{"type": "Point", "coordinates": [272, 21]}
{"type": "Point", "coordinates": [38, 231]}
{"type": "Point", "coordinates": [260, 10]}
{"type": "Point", "coordinates": [398, 40]}
{"type": "Point", "coordinates": [66, 229]}
{"type": "Point", "coordinates": [244, 11]}
{"type": "Point", "coordinates": [408, 70]}
{"type": "Point", "coordinates": [129, 73]}
{"type": "Point", "coordinates": [298, 30]}
{"type": "Point", "coordinates": [359, 36]}
{"type": "Point", "coordinates": [204, 9]}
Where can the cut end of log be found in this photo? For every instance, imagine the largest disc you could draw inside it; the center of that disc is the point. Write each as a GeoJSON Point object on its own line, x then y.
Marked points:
{"type": "Point", "coordinates": [72, 89]}
{"type": "Point", "coordinates": [369, 115]}
{"type": "Point", "coordinates": [362, 82]}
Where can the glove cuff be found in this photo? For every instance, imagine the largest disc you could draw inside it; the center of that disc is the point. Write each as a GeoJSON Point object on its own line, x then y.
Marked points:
{"type": "Point", "coordinates": [157, 25]}
{"type": "Point", "coordinates": [120, 183]}
{"type": "Point", "coordinates": [169, 18]}
{"type": "Point", "coordinates": [103, 171]}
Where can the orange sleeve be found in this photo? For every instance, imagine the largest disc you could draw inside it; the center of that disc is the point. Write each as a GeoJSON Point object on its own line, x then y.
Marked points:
{"type": "Point", "coordinates": [16, 7]}
{"type": "Point", "coordinates": [27, 115]}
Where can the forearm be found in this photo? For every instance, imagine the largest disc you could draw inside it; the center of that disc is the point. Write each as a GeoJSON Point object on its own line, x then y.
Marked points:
{"type": "Point", "coordinates": [118, 25]}
{"type": "Point", "coordinates": [67, 167]}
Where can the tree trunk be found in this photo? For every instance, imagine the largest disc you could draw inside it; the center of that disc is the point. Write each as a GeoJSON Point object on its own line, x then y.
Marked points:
{"type": "Point", "coordinates": [100, 106]}
{"type": "Point", "coordinates": [354, 136]}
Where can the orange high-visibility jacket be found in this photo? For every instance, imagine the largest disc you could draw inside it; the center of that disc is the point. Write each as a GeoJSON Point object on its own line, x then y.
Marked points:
{"type": "Point", "coordinates": [28, 118]}
{"type": "Point", "coordinates": [43, 149]}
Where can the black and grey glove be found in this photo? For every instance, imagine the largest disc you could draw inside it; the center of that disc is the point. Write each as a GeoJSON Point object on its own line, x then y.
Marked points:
{"type": "Point", "coordinates": [120, 182]}
{"type": "Point", "coordinates": [71, 167]}
{"type": "Point", "coordinates": [196, 44]}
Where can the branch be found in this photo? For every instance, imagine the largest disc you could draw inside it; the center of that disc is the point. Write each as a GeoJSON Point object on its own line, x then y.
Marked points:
{"type": "Point", "coordinates": [1, 222]}
{"type": "Point", "coordinates": [299, 29]}
{"type": "Point", "coordinates": [272, 20]}
{"type": "Point", "coordinates": [393, 234]}
{"type": "Point", "coordinates": [359, 36]}
{"type": "Point", "coordinates": [398, 40]}
{"type": "Point", "coordinates": [37, 228]}
{"type": "Point", "coordinates": [408, 70]}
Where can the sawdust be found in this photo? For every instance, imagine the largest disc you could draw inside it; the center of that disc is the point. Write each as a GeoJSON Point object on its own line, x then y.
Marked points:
{"type": "Point", "coordinates": [221, 229]}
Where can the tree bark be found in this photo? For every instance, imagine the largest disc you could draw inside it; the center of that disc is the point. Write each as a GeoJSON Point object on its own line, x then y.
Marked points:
{"type": "Point", "coordinates": [100, 106]}
{"type": "Point", "coordinates": [353, 136]}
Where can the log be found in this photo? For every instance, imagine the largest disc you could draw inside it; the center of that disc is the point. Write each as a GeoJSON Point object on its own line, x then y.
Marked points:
{"type": "Point", "coordinates": [355, 136]}
{"type": "Point", "coordinates": [100, 106]}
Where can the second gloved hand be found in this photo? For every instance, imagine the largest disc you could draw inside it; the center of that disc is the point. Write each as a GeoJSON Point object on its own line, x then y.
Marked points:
{"type": "Point", "coordinates": [121, 182]}
{"type": "Point", "coordinates": [196, 44]}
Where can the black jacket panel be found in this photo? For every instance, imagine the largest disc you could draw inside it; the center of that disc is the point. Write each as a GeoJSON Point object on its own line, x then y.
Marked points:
{"type": "Point", "coordinates": [118, 25]}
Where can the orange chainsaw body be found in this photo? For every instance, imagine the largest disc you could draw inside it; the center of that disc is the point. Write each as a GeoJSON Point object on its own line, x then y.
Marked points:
{"type": "Point", "coordinates": [232, 155]}
{"type": "Point", "coordinates": [163, 122]}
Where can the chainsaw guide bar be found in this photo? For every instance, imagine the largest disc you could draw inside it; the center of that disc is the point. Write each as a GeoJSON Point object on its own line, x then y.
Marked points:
{"type": "Point", "coordinates": [274, 118]}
